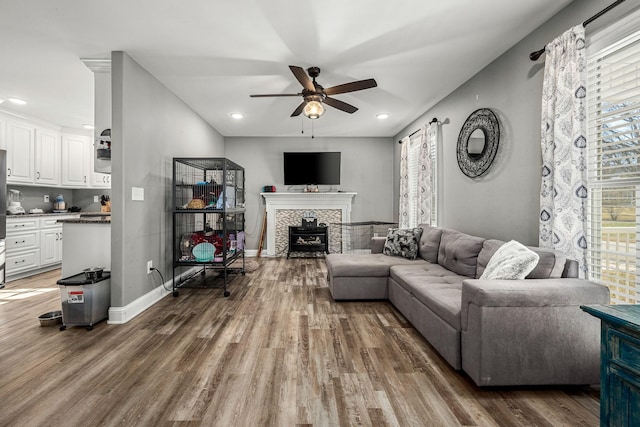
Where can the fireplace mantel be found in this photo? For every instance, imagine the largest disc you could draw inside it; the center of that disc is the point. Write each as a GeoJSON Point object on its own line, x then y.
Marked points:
{"type": "Point", "coordinates": [304, 202]}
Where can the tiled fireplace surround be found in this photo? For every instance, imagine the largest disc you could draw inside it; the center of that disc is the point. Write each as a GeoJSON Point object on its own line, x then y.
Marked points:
{"type": "Point", "coordinates": [285, 209]}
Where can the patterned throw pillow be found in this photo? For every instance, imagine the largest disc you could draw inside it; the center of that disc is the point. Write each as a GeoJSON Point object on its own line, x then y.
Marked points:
{"type": "Point", "coordinates": [512, 261]}
{"type": "Point", "coordinates": [402, 242]}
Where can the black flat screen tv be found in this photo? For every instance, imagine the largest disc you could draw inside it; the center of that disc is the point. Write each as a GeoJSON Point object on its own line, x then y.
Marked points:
{"type": "Point", "coordinates": [312, 168]}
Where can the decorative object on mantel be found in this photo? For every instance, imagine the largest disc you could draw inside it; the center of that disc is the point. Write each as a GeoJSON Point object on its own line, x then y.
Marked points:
{"type": "Point", "coordinates": [478, 142]}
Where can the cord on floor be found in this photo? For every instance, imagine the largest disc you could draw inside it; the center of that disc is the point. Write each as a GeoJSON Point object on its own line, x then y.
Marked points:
{"type": "Point", "coordinates": [161, 278]}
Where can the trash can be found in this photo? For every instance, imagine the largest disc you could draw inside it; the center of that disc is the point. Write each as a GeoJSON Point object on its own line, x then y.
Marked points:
{"type": "Point", "coordinates": [85, 298]}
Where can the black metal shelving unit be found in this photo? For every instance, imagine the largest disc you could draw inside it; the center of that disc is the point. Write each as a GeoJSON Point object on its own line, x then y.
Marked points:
{"type": "Point", "coordinates": [208, 221]}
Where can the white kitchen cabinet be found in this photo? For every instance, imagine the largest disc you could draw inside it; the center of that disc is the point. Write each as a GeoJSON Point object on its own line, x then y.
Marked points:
{"type": "Point", "coordinates": [20, 153]}
{"type": "Point", "coordinates": [47, 153]}
{"type": "Point", "coordinates": [100, 180]}
{"type": "Point", "coordinates": [23, 245]}
{"type": "Point", "coordinates": [51, 246]}
{"type": "Point", "coordinates": [3, 133]}
{"type": "Point", "coordinates": [34, 244]}
{"type": "Point", "coordinates": [33, 152]}
{"type": "Point", "coordinates": [50, 240]}
{"type": "Point", "coordinates": [76, 161]}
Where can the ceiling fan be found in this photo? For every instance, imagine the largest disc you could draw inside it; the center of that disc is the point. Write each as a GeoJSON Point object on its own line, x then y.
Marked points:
{"type": "Point", "coordinates": [315, 95]}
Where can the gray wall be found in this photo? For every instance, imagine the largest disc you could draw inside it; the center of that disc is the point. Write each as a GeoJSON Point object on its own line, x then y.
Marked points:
{"type": "Point", "coordinates": [503, 203]}
{"type": "Point", "coordinates": [33, 197]}
{"type": "Point", "coordinates": [84, 198]}
{"type": "Point", "coordinates": [366, 169]}
{"type": "Point", "coordinates": [150, 126]}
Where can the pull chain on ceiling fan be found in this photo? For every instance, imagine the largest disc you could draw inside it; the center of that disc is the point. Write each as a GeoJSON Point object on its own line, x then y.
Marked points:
{"type": "Point", "coordinates": [314, 95]}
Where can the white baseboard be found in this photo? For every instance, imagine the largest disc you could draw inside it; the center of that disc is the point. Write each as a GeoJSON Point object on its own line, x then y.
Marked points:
{"type": "Point", "coordinates": [120, 315]}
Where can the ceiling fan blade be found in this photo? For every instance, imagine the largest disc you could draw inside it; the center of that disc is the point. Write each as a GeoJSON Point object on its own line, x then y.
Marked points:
{"type": "Point", "coordinates": [302, 77]}
{"type": "Point", "coordinates": [275, 94]}
{"type": "Point", "coordinates": [299, 109]}
{"type": "Point", "coordinates": [340, 105]}
{"type": "Point", "coordinates": [351, 87]}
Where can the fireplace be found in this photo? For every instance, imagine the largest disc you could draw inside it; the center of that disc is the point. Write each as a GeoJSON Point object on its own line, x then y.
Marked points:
{"type": "Point", "coordinates": [288, 209]}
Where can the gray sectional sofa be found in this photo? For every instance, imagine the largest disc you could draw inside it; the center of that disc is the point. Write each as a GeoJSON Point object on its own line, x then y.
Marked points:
{"type": "Point", "coordinates": [500, 332]}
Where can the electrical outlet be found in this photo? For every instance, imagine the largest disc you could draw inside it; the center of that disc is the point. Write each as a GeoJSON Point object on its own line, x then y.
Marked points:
{"type": "Point", "coordinates": [96, 199]}
{"type": "Point", "coordinates": [149, 266]}
{"type": "Point", "coordinates": [46, 198]}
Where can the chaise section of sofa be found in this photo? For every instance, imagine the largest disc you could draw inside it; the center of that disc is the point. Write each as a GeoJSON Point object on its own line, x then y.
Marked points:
{"type": "Point", "coordinates": [501, 332]}
{"type": "Point", "coordinates": [530, 332]}
{"type": "Point", "coordinates": [361, 276]}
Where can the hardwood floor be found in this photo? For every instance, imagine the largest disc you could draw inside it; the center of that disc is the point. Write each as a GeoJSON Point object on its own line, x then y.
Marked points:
{"type": "Point", "coordinates": [278, 351]}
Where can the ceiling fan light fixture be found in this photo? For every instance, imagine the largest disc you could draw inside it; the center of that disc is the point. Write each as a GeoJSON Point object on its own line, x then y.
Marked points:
{"type": "Point", "coordinates": [313, 109]}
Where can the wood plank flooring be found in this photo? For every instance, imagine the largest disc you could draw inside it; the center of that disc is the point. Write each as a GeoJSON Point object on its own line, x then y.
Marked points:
{"type": "Point", "coordinates": [279, 351]}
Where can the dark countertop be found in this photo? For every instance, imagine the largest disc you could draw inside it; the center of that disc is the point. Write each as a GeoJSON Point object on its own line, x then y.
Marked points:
{"type": "Point", "coordinates": [88, 219]}
{"type": "Point", "coordinates": [28, 215]}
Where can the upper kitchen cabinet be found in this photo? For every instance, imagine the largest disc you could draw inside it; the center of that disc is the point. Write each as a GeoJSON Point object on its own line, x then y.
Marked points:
{"type": "Point", "coordinates": [76, 161]}
{"type": "Point", "coordinates": [98, 179]}
{"type": "Point", "coordinates": [33, 152]}
{"type": "Point", "coordinates": [20, 153]}
{"type": "Point", "coordinates": [47, 152]}
{"type": "Point", "coordinates": [3, 133]}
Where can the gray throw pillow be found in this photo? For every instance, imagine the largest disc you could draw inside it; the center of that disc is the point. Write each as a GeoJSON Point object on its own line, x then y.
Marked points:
{"type": "Point", "coordinates": [402, 242]}
{"type": "Point", "coordinates": [512, 261]}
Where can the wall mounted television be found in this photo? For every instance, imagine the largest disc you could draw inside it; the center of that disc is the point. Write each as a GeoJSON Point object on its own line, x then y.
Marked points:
{"type": "Point", "coordinates": [304, 168]}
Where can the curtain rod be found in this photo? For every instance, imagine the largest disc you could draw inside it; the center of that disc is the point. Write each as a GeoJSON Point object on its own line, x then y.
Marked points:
{"type": "Point", "coordinates": [434, 120]}
{"type": "Point", "coordinates": [535, 55]}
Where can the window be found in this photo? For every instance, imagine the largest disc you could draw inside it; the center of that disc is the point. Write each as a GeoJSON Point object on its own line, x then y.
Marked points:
{"type": "Point", "coordinates": [613, 168]}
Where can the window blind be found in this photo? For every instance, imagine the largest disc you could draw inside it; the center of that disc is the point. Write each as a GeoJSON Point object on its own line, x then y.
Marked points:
{"type": "Point", "coordinates": [613, 147]}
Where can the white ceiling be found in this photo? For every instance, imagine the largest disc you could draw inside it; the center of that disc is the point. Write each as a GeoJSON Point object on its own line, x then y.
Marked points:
{"type": "Point", "coordinates": [213, 54]}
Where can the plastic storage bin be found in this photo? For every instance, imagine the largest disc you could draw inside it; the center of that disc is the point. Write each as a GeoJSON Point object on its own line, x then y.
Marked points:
{"type": "Point", "coordinates": [85, 301]}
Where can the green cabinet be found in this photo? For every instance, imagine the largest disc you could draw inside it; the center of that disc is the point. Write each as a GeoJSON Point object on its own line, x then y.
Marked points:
{"type": "Point", "coordinates": [620, 363]}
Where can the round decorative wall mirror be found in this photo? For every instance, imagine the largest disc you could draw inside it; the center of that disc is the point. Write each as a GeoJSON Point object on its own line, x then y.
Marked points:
{"type": "Point", "coordinates": [478, 142]}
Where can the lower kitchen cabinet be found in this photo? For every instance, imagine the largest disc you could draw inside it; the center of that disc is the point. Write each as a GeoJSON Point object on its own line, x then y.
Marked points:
{"type": "Point", "coordinates": [34, 244]}
{"type": "Point", "coordinates": [23, 245]}
{"type": "Point", "coordinates": [51, 246]}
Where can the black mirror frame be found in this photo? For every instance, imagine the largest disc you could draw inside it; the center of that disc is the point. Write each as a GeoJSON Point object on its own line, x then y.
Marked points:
{"type": "Point", "coordinates": [485, 120]}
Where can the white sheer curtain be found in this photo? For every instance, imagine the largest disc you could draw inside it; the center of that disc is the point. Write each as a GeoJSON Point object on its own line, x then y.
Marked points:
{"type": "Point", "coordinates": [404, 220]}
{"type": "Point", "coordinates": [416, 187]}
{"type": "Point", "coordinates": [563, 193]}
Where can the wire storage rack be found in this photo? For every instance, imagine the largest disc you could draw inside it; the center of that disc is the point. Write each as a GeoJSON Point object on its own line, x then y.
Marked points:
{"type": "Point", "coordinates": [208, 221]}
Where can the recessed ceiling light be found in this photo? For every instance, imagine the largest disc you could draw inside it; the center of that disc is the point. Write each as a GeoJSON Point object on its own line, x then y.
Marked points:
{"type": "Point", "coordinates": [17, 101]}
{"type": "Point", "coordinates": [1, 100]}
{"type": "Point", "coordinates": [237, 116]}
{"type": "Point", "coordinates": [382, 116]}
{"type": "Point", "coordinates": [90, 127]}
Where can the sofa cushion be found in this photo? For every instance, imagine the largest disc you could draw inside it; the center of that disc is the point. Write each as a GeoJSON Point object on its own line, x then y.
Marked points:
{"type": "Point", "coordinates": [364, 265]}
{"type": "Point", "coordinates": [434, 286]}
{"type": "Point", "coordinates": [512, 261]}
{"type": "Point", "coordinates": [429, 243]}
{"type": "Point", "coordinates": [550, 265]}
{"type": "Point", "coordinates": [458, 252]}
{"type": "Point", "coordinates": [402, 242]}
